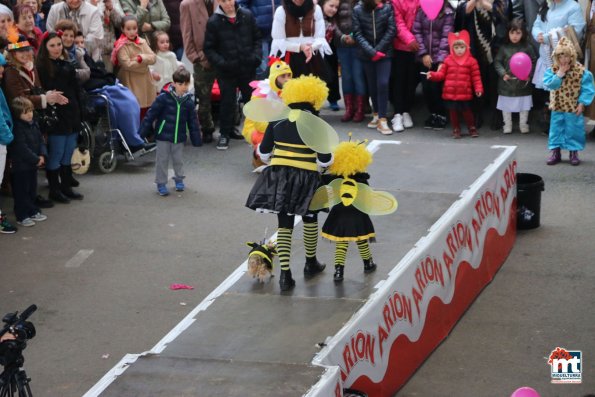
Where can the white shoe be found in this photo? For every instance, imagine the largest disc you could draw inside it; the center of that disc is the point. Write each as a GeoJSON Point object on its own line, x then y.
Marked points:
{"type": "Point", "coordinates": [407, 122]}
{"type": "Point", "coordinates": [39, 217]}
{"type": "Point", "coordinates": [27, 222]}
{"type": "Point", "coordinates": [383, 127]}
{"type": "Point", "coordinates": [507, 129]}
{"type": "Point", "coordinates": [524, 128]}
{"type": "Point", "coordinates": [398, 123]}
{"type": "Point", "coordinates": [374, 122]}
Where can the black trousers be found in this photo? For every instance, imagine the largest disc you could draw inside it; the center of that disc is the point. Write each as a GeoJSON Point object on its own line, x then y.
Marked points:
{"type": "Point", "coordinates": [404, 78]}
{"type": "Point", "coordinates": [24, 191]}
{"type": "Point", "coordinates": [228, 87]}
{"type": "Point", "coordinates": [432, 91]}
{"type": "Point", "coordinates": [332, 64]}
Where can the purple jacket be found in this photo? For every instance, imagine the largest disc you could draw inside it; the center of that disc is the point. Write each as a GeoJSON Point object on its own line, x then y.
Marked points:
{"type": "Point", "coordinates": [441, 26]}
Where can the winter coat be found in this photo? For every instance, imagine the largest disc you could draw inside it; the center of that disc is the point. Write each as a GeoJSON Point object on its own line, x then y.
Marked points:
{"type": "Point", "coordinates": [173, 117]}
{"type": "Point", "coordinates": [437, 45]}
{"type": "Point", "coordinates": [374, 31]}
{"type": "Point", "coordinates": [344, 22]}
{"type": "Point", "coordinates": [64, 80]}
{"type": "Point", "coordinates": [87, 18]}
{"type": "Point", "coordinates": [405, 11]}
{"type": "Point", "coordinates": [234, 49]}
{"type": "Point", "coordinates": [175, 30]}
{"type": "Point", "coordinates": [263, 11]}
{"type": "Point", "coordinates": [513, 87]}
{"type": "Point", "coordinates": [155, 14]}
{"type": "Point", "coordinates": [590, 46]}
{"type": "Point", "coordinates": [27, 146]}
{"type": "Point", "coordinates": [460, 74]}
{"type": "Point", "coordinates": [193, 21]}
{"type": "Point", "coordinates": [5, 121]}
{"type": "Point", "coordinates": [135, 75]}
{"type": "Point", "coordinates": [17, 82]}
{"type": "Point", "coordinates": [34, 39]}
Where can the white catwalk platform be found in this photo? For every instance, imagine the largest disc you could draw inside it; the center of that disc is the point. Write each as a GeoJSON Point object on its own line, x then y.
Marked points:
{"type": "Point", "coordinates": [453, 230]}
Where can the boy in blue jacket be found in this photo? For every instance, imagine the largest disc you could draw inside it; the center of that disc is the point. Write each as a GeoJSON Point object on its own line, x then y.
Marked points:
{"type": "Point", "coordinates": [173, 115]}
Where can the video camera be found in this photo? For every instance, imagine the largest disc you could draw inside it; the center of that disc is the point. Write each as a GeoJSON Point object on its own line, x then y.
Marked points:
{"type": "Point", "coordinates": [11, 350]}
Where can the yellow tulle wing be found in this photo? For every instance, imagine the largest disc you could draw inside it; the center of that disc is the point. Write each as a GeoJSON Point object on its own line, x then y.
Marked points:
{"type": "Point", "coordinates": [264, 110]}
{"type": "Point", "coordinates": [326, 196]}
{"type": "Point", "coordinates": [317, 133]}
{"type": "Point", "coordinates": [374, 202]}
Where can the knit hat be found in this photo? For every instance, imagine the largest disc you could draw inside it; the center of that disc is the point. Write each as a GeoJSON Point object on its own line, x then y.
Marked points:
{"type": "Point", "coordinates": [564, 47]}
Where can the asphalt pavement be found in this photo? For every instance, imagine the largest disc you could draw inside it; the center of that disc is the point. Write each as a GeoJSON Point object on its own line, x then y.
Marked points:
{"type": "Point", "coordinates": [100, 271]}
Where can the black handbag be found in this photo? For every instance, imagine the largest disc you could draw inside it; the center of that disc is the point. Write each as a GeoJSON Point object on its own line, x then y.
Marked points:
{"type": "Point", "coordinates": [47, 118]}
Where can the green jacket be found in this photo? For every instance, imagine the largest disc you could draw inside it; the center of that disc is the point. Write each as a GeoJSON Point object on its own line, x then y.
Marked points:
{"type": "Point", "coordinates": [155, 14]}
{"type": "Point", "coordinates": [513, 87]}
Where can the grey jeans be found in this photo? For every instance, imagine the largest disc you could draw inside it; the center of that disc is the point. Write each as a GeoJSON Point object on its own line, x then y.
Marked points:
{"type": "Point", "coordinates": [165, 151]}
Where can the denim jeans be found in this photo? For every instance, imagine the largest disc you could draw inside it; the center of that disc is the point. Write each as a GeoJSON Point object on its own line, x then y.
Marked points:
{"type": "Point", "coordinates": [353, 80]}
{"type": "Point", "coordinates": [60, 149]}
{"type": "Point", "coordinates": [261, 71]}
{"type": "Point", "coordinates": [377, 75]}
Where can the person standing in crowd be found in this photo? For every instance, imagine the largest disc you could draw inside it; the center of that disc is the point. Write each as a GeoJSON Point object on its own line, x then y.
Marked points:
{"type": "Point", "coordinates": [86, 16]}
{"type": "Point", "coordinates": [25, 21]}
{"type": "Point", "coordinates": [57, 73]}
{"type": "Point", "coordinates": [374, 29]}
{"type": "Point", "coordinates": [462, 81]}
{"type": "Point", "coordinates": [353, 80]}
{"type": "Point", "coordinates": [299, 37]}
{"type": "Point", "coordinates": [37, 16]}
{"type": "Point", "coordinates": [232, 45]}
{"type": "Point", "coordinates": [404, 74]}
{"type": "Point", "coordinates": [329, 10]}
{"type": "Point", "coordinates": [263, 11]}
{"type": "Point", "coordinates": [557, 14]}
{"type": "Point", "coordinates": [27, 153]}
{"type": "Point", "coordinates": [76, 54]}
{"type": "Point", "coordinates": [151, 16]}
{"type": "Point", "coordinates": [194, 15]}
{"type": "Point", "coordinates": [175, 30]}
{"type": "Point", "coordinates": [571, 91]}
{"type": "Point", "coordinates": [133, 56]}
{"type": "Point", "coordinates": [166, 62]}
{"type": "Point", "coordinates": [6, 138]}
{"type": "Point", "coordinates": [112, 13]}
{"type": "Point", "coordinates": [514, 95]}
{"type": "Point", "coordinates": [432, 38]}
{"type": "Point", "coordinates": [6, 19]}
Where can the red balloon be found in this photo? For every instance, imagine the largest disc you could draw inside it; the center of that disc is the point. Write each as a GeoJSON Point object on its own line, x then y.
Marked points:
{"type": "Point", "coordinates": [521, 65]}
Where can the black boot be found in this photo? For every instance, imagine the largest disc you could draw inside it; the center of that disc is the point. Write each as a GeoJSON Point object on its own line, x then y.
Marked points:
{"type": "Point", "coordinates": [338, 276]}
{"type": "Point", "coordinates": [369, 266]}
{"type": "Point", "coordinates": [42, 202]}
{"type": "Point", "coordinates": [73, 182]}
{"type": "Point", "coordinates": [313, 267]}
{"type": "Point", "coordinates": [55, 192]}
{"type": "Point", "coordinates": [285, 281]}
{"type": "Point", "coordinates": [65, 184]}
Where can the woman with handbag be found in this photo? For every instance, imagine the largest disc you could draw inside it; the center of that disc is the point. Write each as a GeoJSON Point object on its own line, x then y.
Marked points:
{"type": "Point", "coordinates": [21, 79]}
{"type": "Point", "coordinates": [57, 73]}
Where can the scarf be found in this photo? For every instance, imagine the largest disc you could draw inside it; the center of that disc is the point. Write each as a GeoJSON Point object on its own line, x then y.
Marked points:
{"type": "Point", "coordinates": [121, 42]}
{"type": "Point", "coordinates": [298, 11]}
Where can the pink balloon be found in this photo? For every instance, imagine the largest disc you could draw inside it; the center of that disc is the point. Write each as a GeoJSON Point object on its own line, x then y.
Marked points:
{"type": "Point", "coordinates": [431, 8]}
{"type": "Point", "coordinates": [525, 391]}
{"type": "Point", "coordinates": [520, 65]}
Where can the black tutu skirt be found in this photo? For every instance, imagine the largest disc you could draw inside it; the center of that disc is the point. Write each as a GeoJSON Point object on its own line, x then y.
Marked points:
{"type": "Point", "coordinates": [348, 224]}
{"type": "Point", "coordinates": [458, 105]}
{"type": "Point", "coordinates": [285, 190]}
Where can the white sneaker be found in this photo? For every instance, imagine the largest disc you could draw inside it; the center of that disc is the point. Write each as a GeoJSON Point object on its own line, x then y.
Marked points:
{"type": "Point", "coordinates": [398, 123]}
{"type": "Point", "coordinates": [27, 222]}
{"type": "Point", "coordinates": [524, 128]}
{"type": "Point", "coordinates": [407, 122]}
{"type": "Point", "coordinates": [39, 217]}
{"type": "Point", "coordinates": [507, 129]}
{"type": "Point", "coordinates": [374, 122]}
{"type": "Point", "coordinates": [383, 127]}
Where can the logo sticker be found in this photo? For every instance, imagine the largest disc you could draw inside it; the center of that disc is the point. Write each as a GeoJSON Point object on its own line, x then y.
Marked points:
{"type": "Point", "coordinates": [567, 365]}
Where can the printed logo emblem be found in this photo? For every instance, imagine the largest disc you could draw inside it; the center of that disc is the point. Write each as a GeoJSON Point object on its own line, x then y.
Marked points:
{"type": "Point", "coordinates": [567, 365]}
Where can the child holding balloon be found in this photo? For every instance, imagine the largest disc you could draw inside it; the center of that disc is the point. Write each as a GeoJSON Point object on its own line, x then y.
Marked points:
{"type": "Point", "coordinates": [514, 66]}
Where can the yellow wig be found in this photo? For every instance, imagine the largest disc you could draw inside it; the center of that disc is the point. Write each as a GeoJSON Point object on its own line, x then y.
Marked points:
{"type": "Point", "coordinates": [350, 158]}
{"type": "Point", "coordinates": [309, 89]}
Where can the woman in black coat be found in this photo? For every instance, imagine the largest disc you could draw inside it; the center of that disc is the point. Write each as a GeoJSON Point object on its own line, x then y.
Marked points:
{"type": "Point", "coordinates": [57, 72]}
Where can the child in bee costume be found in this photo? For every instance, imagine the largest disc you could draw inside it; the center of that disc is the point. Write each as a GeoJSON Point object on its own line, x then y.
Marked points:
{"type": "Point", "coordinates": [352, 202]}
{"type": "Point", "coordinates": [296, 143]}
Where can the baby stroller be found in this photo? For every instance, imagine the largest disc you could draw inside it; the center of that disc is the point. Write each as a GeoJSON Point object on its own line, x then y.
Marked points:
{"type": "Point", "coordinates": [112, 120]}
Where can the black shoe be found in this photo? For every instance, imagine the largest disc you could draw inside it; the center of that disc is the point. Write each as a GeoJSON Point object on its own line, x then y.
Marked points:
{"type": "Point", "coordinates": [369, 266]}
{"type": "Point", "coordinates": [286, 282]}
{"type": "Point", "coordinates": [223, 143]}
{"type": "Point", "coordinates": [58, 197]}
{"type": "Point", "coordinates": [439, 123]}
{"type": "Point", "coordinates": [236, 135]}
{"type": "Point", "coordinates": [207, 137]}
{"type": "Point", "coordinates": [430, 121]}
{"type": "Point", "coordinates": [313, 267]}
{"type": "Point", "coordinates": [41, 202]}
{"type": "Point", "coordinates": [72, 195]}
{"type": "Point", "coordinates": [74, 182]}
{"type": "Point", "coordinates": [338, 276]}
{"type": "Point", "coordinates": [150, 146]}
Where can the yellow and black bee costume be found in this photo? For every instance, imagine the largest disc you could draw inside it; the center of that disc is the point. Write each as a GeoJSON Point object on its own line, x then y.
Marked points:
{"type": "Point", "coordinates": [295, 144]}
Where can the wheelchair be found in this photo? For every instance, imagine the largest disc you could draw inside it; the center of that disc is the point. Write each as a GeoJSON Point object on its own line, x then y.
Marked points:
{"type": "Point", "coordinates": [105, 143]}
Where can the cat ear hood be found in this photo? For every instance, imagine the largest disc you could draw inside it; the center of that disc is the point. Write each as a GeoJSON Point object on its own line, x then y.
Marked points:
{"type": "Point", "coordinates": [564, 47]}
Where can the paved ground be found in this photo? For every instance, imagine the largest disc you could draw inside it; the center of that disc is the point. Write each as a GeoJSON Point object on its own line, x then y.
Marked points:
{"type": "Point", "coordinates": [117, 301]}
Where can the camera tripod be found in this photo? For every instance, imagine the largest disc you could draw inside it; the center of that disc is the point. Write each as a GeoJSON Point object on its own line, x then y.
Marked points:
{"type": "Point", "coordinates": [14, 382]}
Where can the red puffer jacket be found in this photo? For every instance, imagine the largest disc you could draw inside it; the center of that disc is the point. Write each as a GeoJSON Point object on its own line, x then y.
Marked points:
{"type": "Point", "coordinates": [460, 73]}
